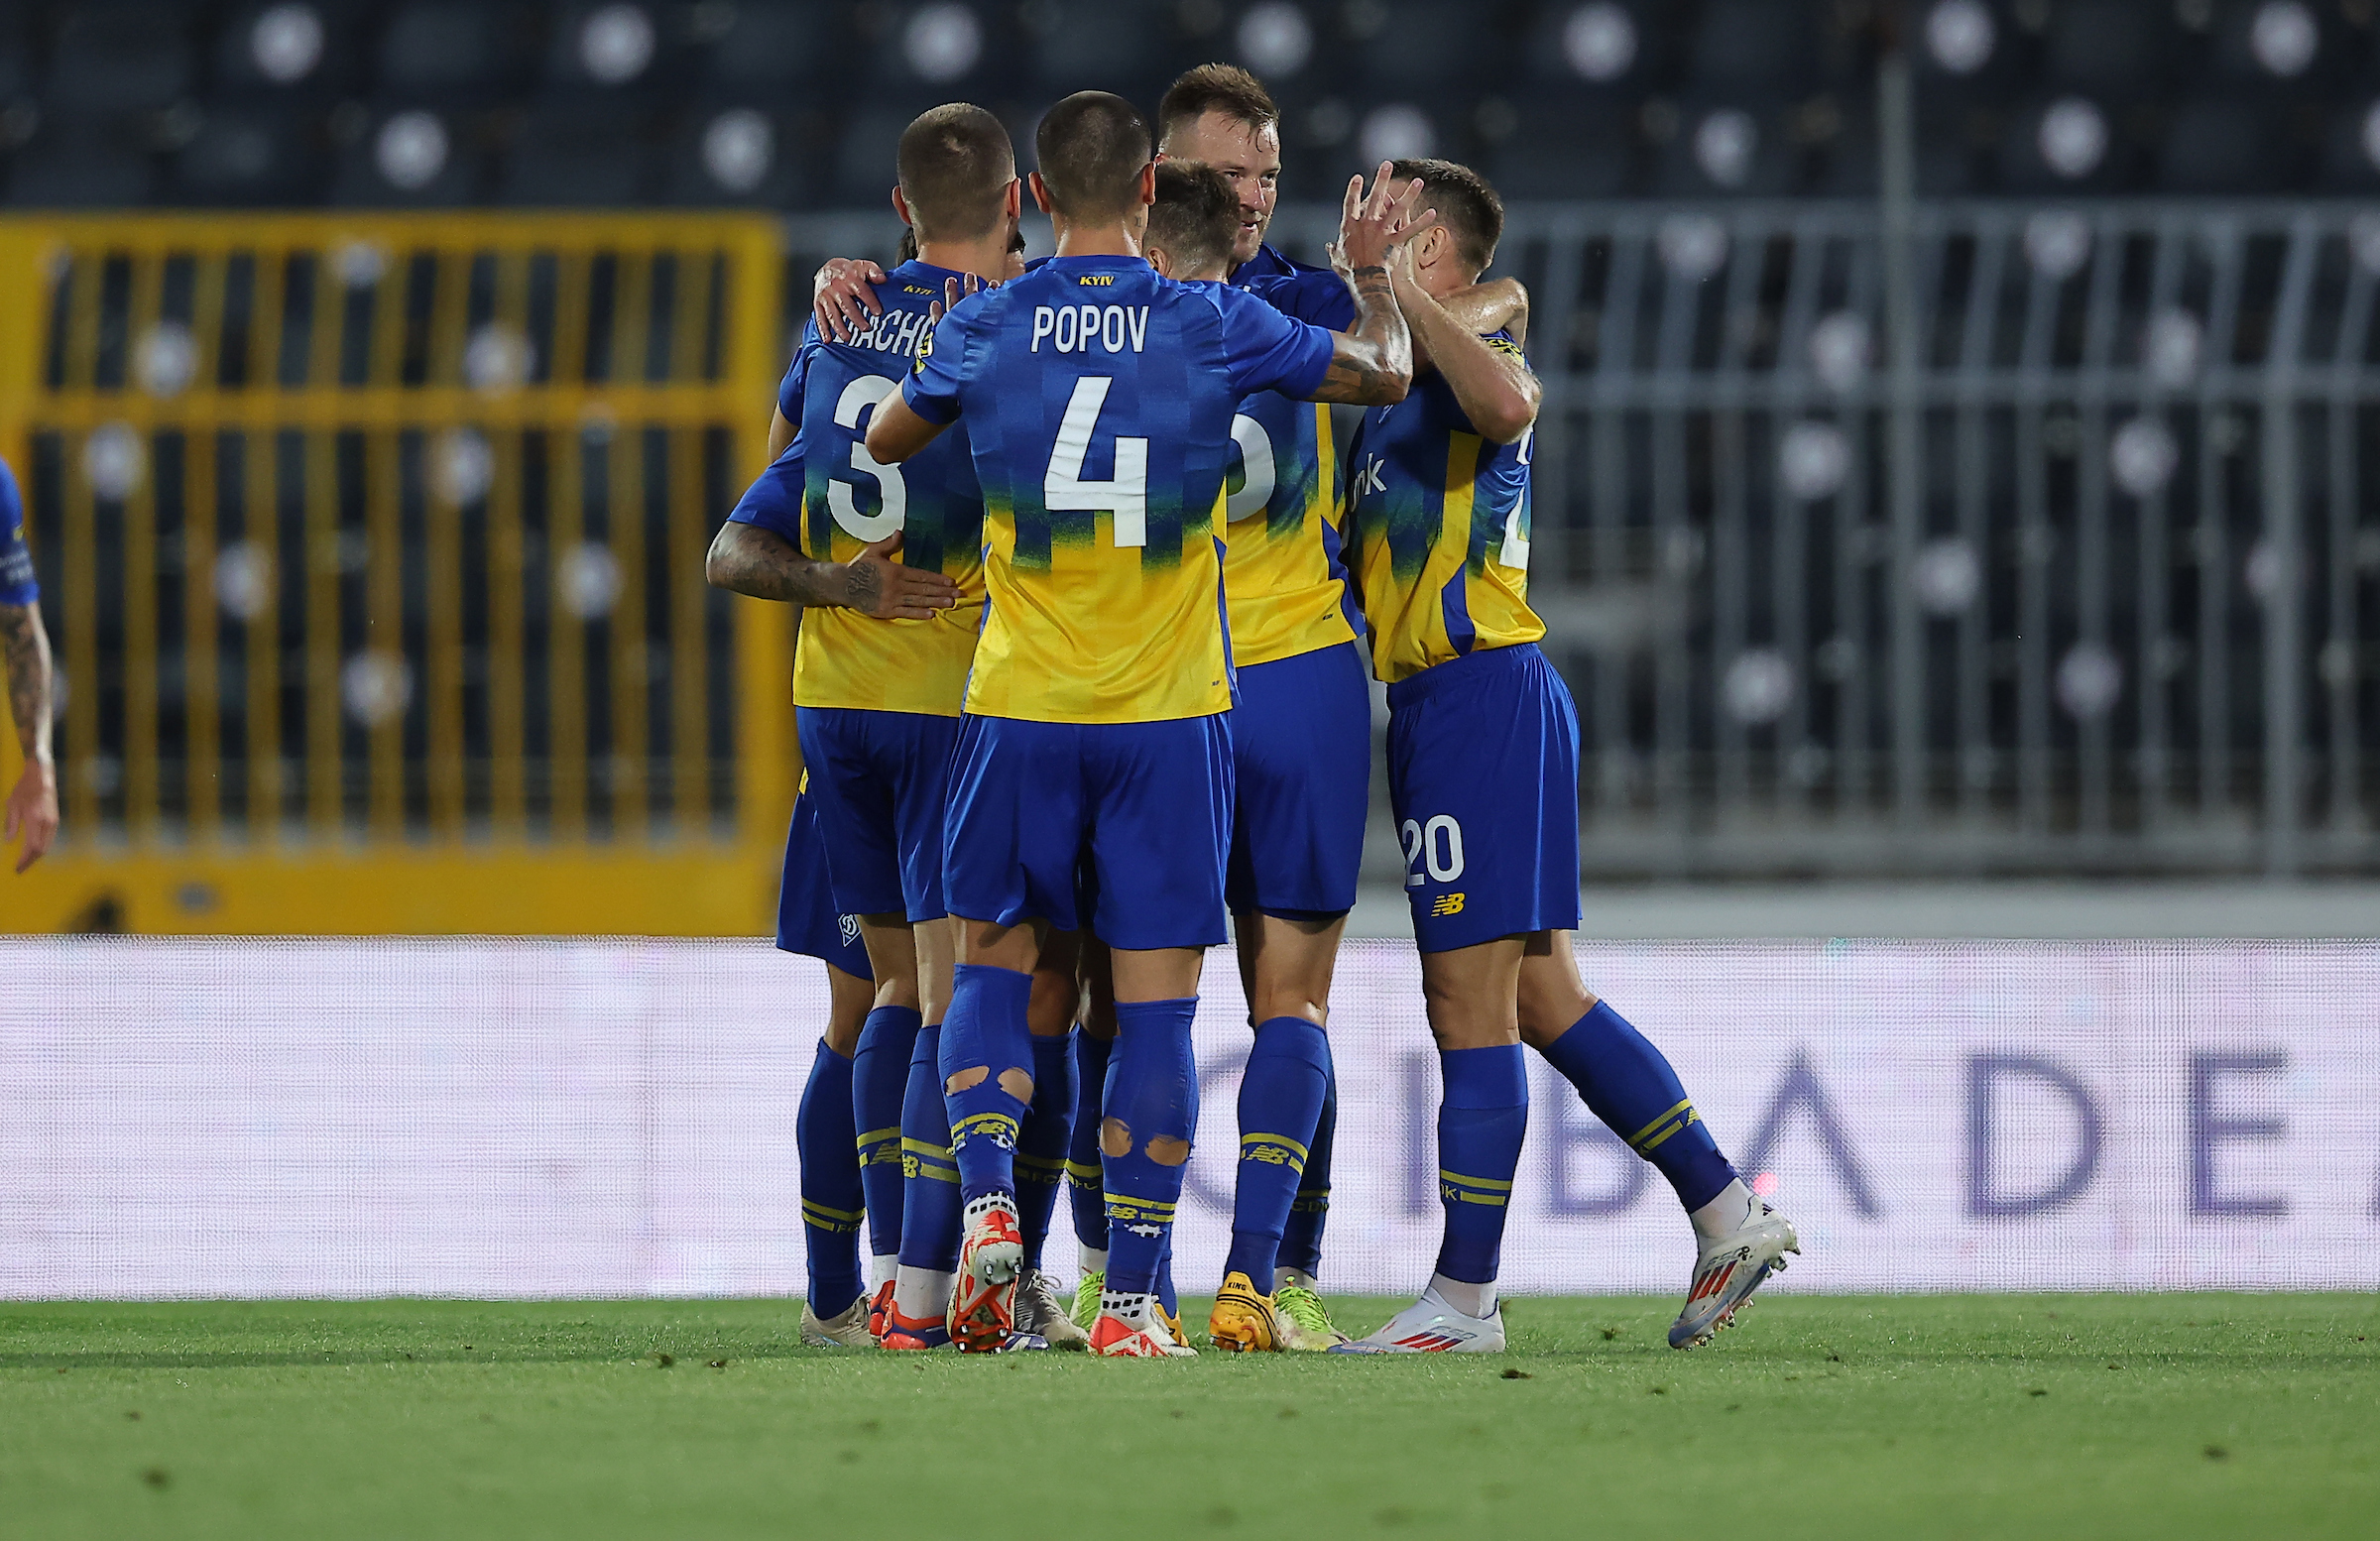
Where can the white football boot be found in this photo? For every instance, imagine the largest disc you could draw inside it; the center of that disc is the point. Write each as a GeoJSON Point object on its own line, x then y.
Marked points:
{"type": "Point", "coordinates": [1431, 1325]}
{"type": "Point", "coordinates": [847, 1331]}
{"type": "Point", "coordinates": [1727, 1269]}
{"type": "Point", "coordinates": [1041, 1313]}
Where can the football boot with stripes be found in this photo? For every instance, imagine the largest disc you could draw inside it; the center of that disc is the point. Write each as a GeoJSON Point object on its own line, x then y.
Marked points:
{"type": "Point", "coordinates": [1431, 1325]}
{"type": "Point", "coordinates": [1727, 1269]}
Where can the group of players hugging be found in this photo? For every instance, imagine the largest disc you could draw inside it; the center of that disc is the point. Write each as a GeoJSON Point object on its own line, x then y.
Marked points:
{"type": "Point", "coordinates": [1088, 580]}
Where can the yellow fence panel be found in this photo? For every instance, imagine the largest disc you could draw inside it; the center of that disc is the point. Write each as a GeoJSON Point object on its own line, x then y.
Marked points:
{"type": "Point", "coordinates": [373, 549]}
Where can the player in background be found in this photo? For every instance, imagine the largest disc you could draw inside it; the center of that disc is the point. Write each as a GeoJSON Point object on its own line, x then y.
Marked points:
{"type": "Point", "coordinates": [1098, 399]}
{"type": "Point", "coordinates": [878, 704]}
{"type": "Point", "coordinates": [1482, 772]}
{"type": "Point", "coordinates": [24, 651]}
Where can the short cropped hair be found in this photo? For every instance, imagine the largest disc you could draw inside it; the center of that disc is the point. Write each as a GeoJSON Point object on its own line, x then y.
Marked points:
{"type": "Point", "coordinates": [1465, 205]}
{"type": "Point", "coordinates": [1196, 217]}
{"type": "Point", "coordinates": [955, 164]}
{"type": "Point", "coordinates": [1091, 147]}
{"type": "Point", "coordinates": [1224, 88]}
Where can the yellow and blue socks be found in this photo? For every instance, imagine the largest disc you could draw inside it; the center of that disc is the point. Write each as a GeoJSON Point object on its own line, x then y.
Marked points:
{"type": "Point", "coordinates": [879, 1081]}
{"type": "Point", "coordinates": [1041, 1143]}
{"type": "Point", "coordinates": [930, 1215]}
{"type": "Point", "coordinates": [1629, 1085]}
{"type": "Point", "coordinates": [1280, 1102]}
{"type": "Point", "coordinates": [1086, 1194]}
{"type": "Point", "coordinates": [1152, 1093]}
{"type": "Point", "coordinates": [1482, 1116]}
{"type": "Point", "coordinates": [986, 1029]}
{"type": "Point", "coordinates": [831, 1196]}
{"type": "Point", "coordinates": [1300, 1252]}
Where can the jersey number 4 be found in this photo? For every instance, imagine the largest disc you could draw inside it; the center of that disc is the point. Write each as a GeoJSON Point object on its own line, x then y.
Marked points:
{"type": "Point", "coordinates": [893, 493]}
{"type": "Point", "coordinates": [1126, 496]}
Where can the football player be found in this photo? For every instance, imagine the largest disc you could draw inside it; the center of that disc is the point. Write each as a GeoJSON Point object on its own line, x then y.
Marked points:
{"type": "Point", "coordinates": [1482, 772]}
{"type": "Point", "coordinates": [1098, 399]}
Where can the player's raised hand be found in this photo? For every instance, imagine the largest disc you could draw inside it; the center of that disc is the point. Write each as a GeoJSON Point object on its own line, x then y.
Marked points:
{"type": "Point", "coordinates": [953, 290]}
{"type": "Point", "coordinates": [1374, 224]}
{"type": "Point", "coordinates": [876, 585]}
{"type": "Point", "coordinates": [843, 297]}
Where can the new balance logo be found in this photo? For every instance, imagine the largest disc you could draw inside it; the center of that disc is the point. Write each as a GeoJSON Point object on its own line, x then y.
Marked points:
{"type": "Point", "coordinates": [1447, 904]}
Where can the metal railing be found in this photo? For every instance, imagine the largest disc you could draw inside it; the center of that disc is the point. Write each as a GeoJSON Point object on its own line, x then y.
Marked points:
{"type": "Point", "coordinates": [2120, 618]}
{"type": "Point", "coordinates": [384, 535]}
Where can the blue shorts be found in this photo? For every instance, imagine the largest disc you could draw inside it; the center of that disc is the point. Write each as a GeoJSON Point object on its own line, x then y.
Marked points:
{"type": "Point", "coordinates": [1145, 805]}
{"type": "Point", "coordinates": [882, 780]}
{"type": "Point", "coordinates": [1483, 779]}
{"type": "Point", "coordinates": [807, 921]}
{"type": "Point", "coordinates": [1301, 760]}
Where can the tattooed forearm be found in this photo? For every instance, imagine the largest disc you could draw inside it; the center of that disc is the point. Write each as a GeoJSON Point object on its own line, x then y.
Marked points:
{"type": "Point", "coordinates": [27, 650]}
{"type": "Point", "coordinates": [750, 561]}
{"type": "Point", "coordinates": [1372, 365]}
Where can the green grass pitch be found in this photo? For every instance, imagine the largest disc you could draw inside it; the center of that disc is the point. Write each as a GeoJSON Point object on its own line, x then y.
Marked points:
{"type": "Point", "coordinates": [2074, 1415]}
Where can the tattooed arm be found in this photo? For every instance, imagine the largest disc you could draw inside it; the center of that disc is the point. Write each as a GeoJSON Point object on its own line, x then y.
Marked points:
{"type": "Point", "coordinates": [32, 802]}
{"type": "Point", "coordinates": [747, 560]}
{"type": "Point", "coordinates": [1371, 363]}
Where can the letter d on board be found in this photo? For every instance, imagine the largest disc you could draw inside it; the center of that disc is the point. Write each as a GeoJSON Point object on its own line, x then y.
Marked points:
{"type": "Point", "coordinates": [1984, 1075]}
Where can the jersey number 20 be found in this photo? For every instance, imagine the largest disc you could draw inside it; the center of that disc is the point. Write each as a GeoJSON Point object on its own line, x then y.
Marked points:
{"type": "Point", "coordinates": [1126, 496]}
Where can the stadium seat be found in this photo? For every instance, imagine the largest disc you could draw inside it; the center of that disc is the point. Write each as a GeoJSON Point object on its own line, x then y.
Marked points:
{"type": "Point", "coordinates": [1566, 144]}
{"type": "Point", "coordinates": [585, 158]}
{"type": "Point", "coordinates": [2349, 163]}
{"type": "Point", "coordinates": [742, 156]}
{"type": "Point", "coordinates": [2119, 48]}
{"type": "Point", "coordinates": [1417, 48]}
{"type": "Point", "coordinates": [121, 58]}
{"type": "Point", "coordinates": [862, 176]}
{"type": "Point", "coordinates": [1722, 149]}
{"type": "Point", "coordinates": [769, 44]}
{"type": "Point", "coordinates": [1749, 50]}
{"type": "Point", "coordinates": [81, 160]}
{"type": "Point", "coordinates": [250, 157]}
{"type": "Point", "coordinates": [287, 50]}
{"type": "Point", "coordinates": [410, 158]}
{"type": "Point", "coordinates": [454, 52]}
{"type": "Point", "coordinates": [1100, 44]}
{"type": "Point", "coordinates": [612, 50]}
{"type": "Point", "coordinates": [2224, 145]}
{"type": "Point", "coordinates": [2035, 129]}
{"type": "Point", "coordinates": [1616, 47]}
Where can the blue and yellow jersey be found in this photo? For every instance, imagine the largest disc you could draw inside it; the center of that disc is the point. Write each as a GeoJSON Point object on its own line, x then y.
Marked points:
{"type": "Point", "coordinates": [830, 498]}
{"type": "Point", "coordinates": [1098, 399]}
{"type": "Point", "coordinates": [16, 585]}
{"type": "Point", "coordinates": [1438, 531]}
{"type": "Point", "coordinates": [1282, 579]}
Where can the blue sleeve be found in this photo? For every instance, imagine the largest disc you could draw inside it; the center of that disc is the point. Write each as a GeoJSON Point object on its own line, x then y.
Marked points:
{"type": "Point", "coordinates": [1317, 296]}
{"type": "Point", "coordinates": [17, 586]}
{"type": "Point", "coordinates": [932, 389]}
{"type": "Point", "coordinates": [775, 501]}
{"type": "Point", "coordinates": [1264, 350]}
{"type": "Point", "coordinates": [798, 375]}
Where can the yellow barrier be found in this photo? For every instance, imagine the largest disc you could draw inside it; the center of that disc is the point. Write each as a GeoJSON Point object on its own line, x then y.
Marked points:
{"type": "Point", "coordinates": [373, 547]}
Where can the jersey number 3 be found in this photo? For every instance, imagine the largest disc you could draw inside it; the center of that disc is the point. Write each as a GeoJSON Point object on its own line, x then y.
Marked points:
{"type": "Point", "coordinates": [1127, 495]}
{"type": "Point", "coordinates": [893, 493]}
